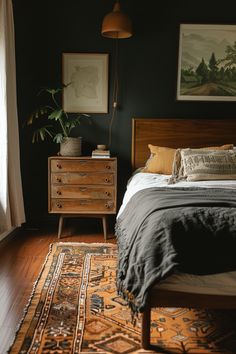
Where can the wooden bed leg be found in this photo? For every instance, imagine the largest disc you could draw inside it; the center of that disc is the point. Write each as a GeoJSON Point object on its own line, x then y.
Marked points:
{"type": "Point", "coordinates": [104, 224]}
{"type": "Point", "coordinates": [146, 322]}
{"type": "Point", "coordinates": [60, 226]}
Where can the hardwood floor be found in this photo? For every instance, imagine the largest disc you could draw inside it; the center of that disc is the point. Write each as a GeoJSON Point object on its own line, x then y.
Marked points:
{"type": "Point", "coordinates": [21, 259]}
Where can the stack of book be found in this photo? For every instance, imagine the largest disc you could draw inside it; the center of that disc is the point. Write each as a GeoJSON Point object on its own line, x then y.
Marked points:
{"type": "Point", "coordinates": [100, 154]}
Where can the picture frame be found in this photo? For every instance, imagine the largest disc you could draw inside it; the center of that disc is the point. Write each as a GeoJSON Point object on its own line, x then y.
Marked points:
{"type": "Point", "coordinates": [86, 78]}
{"type": "Point", "coordinates": [207, 63]}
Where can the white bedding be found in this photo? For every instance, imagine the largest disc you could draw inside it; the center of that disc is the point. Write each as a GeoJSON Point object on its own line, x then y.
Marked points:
{"type": "Point", "coordinates": [147, 180]}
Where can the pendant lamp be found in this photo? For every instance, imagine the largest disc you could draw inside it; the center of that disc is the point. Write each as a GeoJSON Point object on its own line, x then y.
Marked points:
{"type": "Point", "coordinates": [116, 24]}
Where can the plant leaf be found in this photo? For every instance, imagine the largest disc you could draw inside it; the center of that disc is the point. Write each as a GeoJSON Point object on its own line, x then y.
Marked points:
{"type": "Point", "coordinates": [58, 138]}
{"type": "Point", "coordinates": [72, 122]}
{"type": "Point", "coordinates": [56, 114]}
{"type": "Point", "coordinates": [53, 91]}
{"type": "Point", "coordinates": [41, 133]}
{"type": "Point", "coordinates": [61, 122]}
{"type": "Point", "coordinates": [30, 120]}
{"type": "Point", "coordinates": [38, 113]}
{"type": "Point", "coordinates": [87, 116]}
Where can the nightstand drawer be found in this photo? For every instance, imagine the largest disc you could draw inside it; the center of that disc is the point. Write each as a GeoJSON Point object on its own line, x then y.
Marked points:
{"type": "Point", "coordinates": [86, 192]}
{"type": "Point", "coordinates": [82, 205]}
{"type": "Point", "coordinates": [83, 178]}
{"type": "Point", "coordinates": [83, 165]}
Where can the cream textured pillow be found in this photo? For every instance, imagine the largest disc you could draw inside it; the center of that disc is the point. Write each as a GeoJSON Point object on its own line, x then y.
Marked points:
{"type": "Point", "coordinates": [208, 165]}
{"type": "Point", "coordinates": [162, 158]}
{"type": "Point", "coordinates": [177, 170]}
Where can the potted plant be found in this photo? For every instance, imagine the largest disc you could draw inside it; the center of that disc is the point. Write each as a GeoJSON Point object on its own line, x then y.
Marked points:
{"type": "Point", "coordinates": [51, 121]}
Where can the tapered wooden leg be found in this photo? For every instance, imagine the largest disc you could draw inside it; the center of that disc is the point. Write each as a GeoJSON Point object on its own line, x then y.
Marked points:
{"type": "Point", "coordinates": [146, 322]}
{"type": "Point", "coordinates": [104, 224]}
{"type": "Point", "coordinates": [60, 225]}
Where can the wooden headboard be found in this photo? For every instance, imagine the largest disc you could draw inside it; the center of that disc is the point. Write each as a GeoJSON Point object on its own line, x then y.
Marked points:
{"type": "Point", "coordinates": [178, 133]}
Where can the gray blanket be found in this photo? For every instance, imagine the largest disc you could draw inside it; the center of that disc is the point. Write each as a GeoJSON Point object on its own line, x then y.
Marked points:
{"type": "Point", "coordinates": [163, 229]}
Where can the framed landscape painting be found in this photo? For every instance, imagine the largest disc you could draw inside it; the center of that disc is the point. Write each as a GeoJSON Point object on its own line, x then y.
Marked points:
{"type": "Point", "coordinates": [207, 63]}
{"type": "Point", "coordinates": [86, 78]}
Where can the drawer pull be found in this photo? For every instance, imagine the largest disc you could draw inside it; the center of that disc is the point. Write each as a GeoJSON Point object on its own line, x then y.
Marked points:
{"type": "Point", "coordinates": [58, 165]}
{"type": "Point", "coordinates": [59, 192]}
{"type": "Point", "coordinates": [59, 205]}
{"type": "Point", "coordinates": [83, 174]}
{"type": "Point", "coordinates": [82, 162]}
{"type": "Point", "coordinates": [107, 194]}
{"type": "Point", "coordinates": [108, 205]}
{"type": "Point", "coordinates": [82, 189]}
{"type": "Point", "coordinates": [58, 179]}
{"type": "Point", "coordinates": [108, 167]}
{"type": "Point", "coordinates": [107, 180]}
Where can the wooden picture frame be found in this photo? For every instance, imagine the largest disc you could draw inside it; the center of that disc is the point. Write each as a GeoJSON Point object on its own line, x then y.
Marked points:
{"type": "Point", "coordinates": [207, 63]}
{"type": "Point", "coordinates": [86, 78]}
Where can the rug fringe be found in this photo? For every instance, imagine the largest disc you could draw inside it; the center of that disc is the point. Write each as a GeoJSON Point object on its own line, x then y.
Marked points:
{"type": "Point", "coordinates": [87, 243]}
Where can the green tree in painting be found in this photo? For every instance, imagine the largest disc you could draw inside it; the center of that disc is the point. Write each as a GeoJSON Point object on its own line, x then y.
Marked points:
{"type": "Point", "coordinates": [227, 75]}
{"type": "Point", "coordinates": [213, 68]}
{"type": "Point", "coordinates": [230, 58]}
{"type": "Point", "coordinates": [233, 73]}
{"type": "Point", "coordinates": [202, 71]}
{"type": "Point", "coordinates": [221, 73]}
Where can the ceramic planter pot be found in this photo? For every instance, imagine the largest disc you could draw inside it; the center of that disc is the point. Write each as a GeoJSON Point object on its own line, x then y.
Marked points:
{"type": "Point", "coordinates": [71, 147]}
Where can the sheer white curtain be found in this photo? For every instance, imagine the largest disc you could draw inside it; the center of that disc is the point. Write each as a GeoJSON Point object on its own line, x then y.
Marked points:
{"type": "Point", "coordinates": [11, 199]}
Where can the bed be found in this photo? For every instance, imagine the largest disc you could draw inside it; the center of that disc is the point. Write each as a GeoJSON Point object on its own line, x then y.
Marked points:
{"type": "Point", "coordinates": [183, 289]}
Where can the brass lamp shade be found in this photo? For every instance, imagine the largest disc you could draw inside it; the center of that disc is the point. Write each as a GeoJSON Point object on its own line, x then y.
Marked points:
{"type": "Point", "coordinates": [116, 24]}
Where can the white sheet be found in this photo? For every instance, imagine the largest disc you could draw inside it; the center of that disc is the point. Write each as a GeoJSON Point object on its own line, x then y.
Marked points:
{"type": "Point", "coordinates": [147, 180]}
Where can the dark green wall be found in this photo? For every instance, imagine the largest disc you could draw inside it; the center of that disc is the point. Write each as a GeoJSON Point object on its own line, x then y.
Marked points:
{"type": "Point", "coordinates": [147, 72]}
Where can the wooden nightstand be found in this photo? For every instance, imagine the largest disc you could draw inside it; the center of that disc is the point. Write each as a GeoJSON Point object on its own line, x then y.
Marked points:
{"type": "Point", "coordinates": [82, 186]}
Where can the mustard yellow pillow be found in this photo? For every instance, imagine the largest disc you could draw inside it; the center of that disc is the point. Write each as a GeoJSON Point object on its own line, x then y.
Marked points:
{"type": "Point", "coordinates": [162, 158]}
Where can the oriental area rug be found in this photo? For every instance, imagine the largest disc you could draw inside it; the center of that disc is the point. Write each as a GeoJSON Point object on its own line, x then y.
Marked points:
{"type": "Point", "coordinates": [74, 308]}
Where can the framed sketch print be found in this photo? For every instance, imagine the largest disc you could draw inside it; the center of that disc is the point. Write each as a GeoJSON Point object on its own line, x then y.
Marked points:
{"type": "Point", "coordinates": [207, 63]}
{"type": "Point", "coordinates": [86, 77]}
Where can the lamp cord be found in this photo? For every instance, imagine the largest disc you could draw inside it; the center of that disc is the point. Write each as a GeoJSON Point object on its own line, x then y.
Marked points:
{"type": "Point", "coordinates": [115, 92]}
